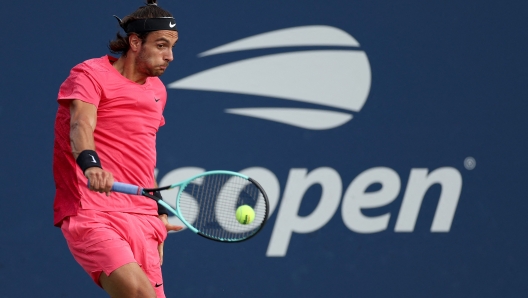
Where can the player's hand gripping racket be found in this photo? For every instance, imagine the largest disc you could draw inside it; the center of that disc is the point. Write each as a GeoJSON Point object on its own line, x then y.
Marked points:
{"type": "Point", "coordinates": [207, 204]}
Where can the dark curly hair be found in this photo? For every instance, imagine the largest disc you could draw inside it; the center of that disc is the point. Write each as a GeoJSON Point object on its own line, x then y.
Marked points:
{"type": "Point", "coordinates": [120, 45]}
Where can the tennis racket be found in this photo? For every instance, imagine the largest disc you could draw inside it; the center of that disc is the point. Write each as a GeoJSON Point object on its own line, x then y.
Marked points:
{"type": "Point", "coordinates": [207, 204]}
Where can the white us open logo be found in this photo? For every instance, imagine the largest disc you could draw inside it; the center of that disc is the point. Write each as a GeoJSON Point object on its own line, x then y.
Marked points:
{"type": "Point", "coordinates": [338, 79]}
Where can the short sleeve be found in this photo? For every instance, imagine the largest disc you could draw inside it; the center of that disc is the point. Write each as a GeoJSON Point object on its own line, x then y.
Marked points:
{"type": "Point", "coordinates": [164, 98]}
{"type": "Point", "coordinates": [80, 85]}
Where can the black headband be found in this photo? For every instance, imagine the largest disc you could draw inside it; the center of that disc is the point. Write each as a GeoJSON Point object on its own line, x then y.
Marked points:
{"type": "Point", "coordinates": [148, 25]}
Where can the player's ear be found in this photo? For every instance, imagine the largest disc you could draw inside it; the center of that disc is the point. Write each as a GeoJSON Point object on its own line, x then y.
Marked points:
{"type": "Point", "coordinates": [135, 42]}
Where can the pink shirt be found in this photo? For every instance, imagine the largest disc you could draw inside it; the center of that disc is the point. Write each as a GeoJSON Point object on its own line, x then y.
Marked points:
{"type": "Point", "coordinates": [128, 118]}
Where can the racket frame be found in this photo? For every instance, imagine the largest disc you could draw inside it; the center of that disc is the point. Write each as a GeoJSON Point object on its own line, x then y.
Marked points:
{"type": "Point", "coordinates": [182, 184]}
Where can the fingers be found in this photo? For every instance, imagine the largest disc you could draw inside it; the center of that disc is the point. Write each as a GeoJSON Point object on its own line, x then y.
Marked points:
{"type": "Point", "coordinates": [173, 228]}
{"type": "Point", "coordinates": [100, 180]}
{"type": "Point", "coordinates": [165, 219]}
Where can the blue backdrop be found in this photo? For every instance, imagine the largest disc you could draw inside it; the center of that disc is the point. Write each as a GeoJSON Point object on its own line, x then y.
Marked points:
{"type": "Point", "coordinates": [390, 136]}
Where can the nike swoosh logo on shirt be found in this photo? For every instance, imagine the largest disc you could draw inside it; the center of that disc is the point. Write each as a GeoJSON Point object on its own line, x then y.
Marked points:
{"type": "Point", "coordinates": [157, 286]}
{"type": "Point", "coordinates": [156, 99]}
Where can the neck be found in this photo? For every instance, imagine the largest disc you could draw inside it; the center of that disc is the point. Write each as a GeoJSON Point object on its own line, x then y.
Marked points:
{"type": "Point", "coordinates": [127, 67]}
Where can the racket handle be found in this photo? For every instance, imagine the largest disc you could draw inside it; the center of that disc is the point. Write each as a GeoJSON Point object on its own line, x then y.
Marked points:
{"type": "Point", "coordinates": [121, 187]}
{"type": "Point", "coordinates": [127, 188]}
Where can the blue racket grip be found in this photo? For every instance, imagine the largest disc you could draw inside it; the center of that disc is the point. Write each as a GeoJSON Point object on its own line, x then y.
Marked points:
{"type": "Point", "coordinates": [127, 188]}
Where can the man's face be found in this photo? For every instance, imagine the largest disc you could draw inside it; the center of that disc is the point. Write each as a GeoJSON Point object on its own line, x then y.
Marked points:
{"type": "Point", "coordinates": [156, 53]}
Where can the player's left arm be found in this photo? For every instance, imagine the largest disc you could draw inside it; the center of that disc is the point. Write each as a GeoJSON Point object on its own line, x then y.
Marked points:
{"type": "Point", "coordinates": [170, 227]}
{"type": "Point", "coordinates": [162, 215]}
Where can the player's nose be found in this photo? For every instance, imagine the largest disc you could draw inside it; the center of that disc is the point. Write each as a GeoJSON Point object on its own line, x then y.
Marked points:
{"type": "Point", "coordinates": [169, 57]}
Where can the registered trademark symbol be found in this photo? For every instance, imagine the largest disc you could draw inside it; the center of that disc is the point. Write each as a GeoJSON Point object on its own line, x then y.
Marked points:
{"type": "Point", "coordinates": [470, 163]}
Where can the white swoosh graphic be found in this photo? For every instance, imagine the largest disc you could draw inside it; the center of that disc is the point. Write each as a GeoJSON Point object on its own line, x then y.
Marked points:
{"type": "Point", "coordinates": [303, 118]}
{"type": "Point", "coordinates": [296, 36]}
{"type": "Point", "coordinates": [334, 78]}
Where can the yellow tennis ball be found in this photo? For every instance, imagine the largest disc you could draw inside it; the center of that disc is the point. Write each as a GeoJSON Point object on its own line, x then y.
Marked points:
{"type": "Point", "coordinates": [245, 214]}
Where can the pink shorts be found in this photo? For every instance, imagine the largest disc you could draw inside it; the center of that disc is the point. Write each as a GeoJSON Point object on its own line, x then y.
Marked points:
{"type": "Point", "coordinates": [104, 241]}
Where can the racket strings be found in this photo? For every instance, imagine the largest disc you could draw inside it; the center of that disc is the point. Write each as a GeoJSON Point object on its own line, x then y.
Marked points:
{"type": "Point", "coordinates": [209, 203]}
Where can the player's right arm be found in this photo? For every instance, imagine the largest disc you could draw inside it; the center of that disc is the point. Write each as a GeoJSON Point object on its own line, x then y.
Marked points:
{"type": "Point", "coordinates": [83, 119]}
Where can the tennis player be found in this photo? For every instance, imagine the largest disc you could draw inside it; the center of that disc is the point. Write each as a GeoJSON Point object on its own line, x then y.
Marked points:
{"type": "Point", "coordinates": [110, 110]}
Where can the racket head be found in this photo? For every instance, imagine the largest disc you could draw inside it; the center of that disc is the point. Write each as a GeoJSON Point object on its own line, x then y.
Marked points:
{"type": "Point", "coordinates": [207, 204]}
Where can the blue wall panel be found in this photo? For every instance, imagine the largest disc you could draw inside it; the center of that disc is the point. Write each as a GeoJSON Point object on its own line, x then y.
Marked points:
{"type": "Point", "coordinates": [444, 82]}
